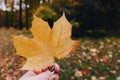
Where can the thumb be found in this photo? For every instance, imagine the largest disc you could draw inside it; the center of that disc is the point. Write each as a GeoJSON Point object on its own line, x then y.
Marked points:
{"type": "Point", "coordinates": [30, 75]}
{"type": "Point", "coordinates": [44, 76]}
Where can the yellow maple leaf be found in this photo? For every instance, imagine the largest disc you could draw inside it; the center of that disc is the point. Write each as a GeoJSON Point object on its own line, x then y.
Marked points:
{"type": "Point", "coordinates": [46, 44]}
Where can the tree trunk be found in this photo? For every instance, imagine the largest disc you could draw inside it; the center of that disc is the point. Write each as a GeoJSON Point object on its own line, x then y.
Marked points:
{"type": "Point", "coordinates": [26, 12]}
{"type": "Point", "coordinates": [20, 16]}
{"type": "Point", "coordinates": [11, 17]}
{"type": "Point", "coordinates": [6, 16]}
{"type": "Point", "coordinates": [6, 19]}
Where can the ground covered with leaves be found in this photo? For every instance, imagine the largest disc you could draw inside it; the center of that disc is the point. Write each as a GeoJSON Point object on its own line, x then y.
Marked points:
{"type": "Point", "coordinates": [93, 59]}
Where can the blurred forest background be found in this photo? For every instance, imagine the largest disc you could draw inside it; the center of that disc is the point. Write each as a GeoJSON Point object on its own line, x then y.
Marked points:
{"type": "Point", "coordinates": [96, 18]}
{"type": "Point", "coordinates": [96, 23]}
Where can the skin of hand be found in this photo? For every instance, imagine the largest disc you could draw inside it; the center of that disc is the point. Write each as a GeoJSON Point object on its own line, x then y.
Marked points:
{"type": "Point", "coordinates": [49, 74]}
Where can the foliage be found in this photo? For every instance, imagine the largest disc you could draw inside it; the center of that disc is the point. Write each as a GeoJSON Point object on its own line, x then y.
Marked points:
{"type": "Point", "coordinates": [44, 11]}
{"type": "Point", "coordinates": [95, 17]}
{"type": "Point", "coordinates": [89, 17]}
{"type": "Point", "coordinates": [99, 16]}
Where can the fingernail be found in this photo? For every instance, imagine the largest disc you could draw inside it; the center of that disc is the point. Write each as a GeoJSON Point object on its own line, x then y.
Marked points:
{"type": "Point", "coordinates": [53, 79]}
{"type": "Point", "coordinates": [52, 68]}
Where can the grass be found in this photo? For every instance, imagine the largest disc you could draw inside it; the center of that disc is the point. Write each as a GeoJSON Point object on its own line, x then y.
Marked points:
{"type": "Point", "coordinates": [94, 58]}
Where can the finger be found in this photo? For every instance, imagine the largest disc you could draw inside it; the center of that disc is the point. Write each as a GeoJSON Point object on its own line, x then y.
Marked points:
{"type": "Point", "coordinates": [45, 69]}
{"type": "Point", "coordinates": [30, 75]}
{"type": "Point", "coordinates": [42, 70]}
{"type": "Point", "coordinates": [57, 68]}
{"type": "Point", "coordinates": [44, 76]}
{"type": "Point", "coordinates": [37, 72]}
{"type": "Point", "coordinates": [54, 77]}
{"type": "Point", "coordinates": [52, 68]}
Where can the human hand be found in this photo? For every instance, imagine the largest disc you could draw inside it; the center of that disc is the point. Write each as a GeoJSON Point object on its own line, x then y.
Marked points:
{"type": "Point", "coordinates": [49, 74]}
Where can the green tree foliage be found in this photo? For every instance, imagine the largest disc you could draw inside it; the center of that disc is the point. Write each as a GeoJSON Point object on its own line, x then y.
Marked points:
{"type": "Point", "coordinates": [93, 16]}
{"type": "Point", "coordinates": [88, 17]}
{"type": "Point", "coordinates": [45, 12]}
{"type": "Point", "coordinates": [99, 16]}
{"type": "Point", "coordinates": [71, 9]}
